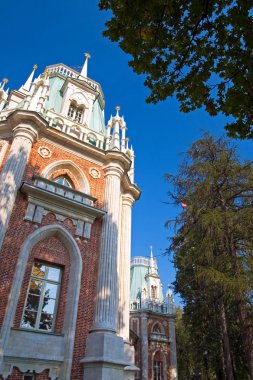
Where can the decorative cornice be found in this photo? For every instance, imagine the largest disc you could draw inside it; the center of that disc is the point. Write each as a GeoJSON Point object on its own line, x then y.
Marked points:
{"type": "Point", "coordinates": [27, 118]}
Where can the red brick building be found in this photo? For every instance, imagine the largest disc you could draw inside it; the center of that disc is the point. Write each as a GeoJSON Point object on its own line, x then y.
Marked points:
{"type": "Point", "coordinates": [66, 193]}
{"type": "Point", "coordinates": [152, 322]}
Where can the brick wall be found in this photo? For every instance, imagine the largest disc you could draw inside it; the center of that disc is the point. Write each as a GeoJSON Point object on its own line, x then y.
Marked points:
{"type": "Point", "coordinates": [53, 251]}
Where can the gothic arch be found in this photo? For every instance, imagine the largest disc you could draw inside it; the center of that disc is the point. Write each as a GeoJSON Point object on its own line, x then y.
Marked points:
{"type": "Point", "coordinates": [160, 327]}
{"type": "Point", "coordinates": [73, 289]}
{"type": "Point", "coordinates": [164, 361]}
{"type": "Point", "coordinates": [71, 167]}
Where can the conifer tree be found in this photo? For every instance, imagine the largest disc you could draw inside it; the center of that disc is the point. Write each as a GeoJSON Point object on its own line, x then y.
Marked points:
{"type": "Point", "coordinates": [213, 247]}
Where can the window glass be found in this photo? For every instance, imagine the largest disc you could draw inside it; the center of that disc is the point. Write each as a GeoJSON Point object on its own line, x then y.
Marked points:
{"type": "Point", "coordinates": [62, 180]}
{"type": "Point", "coordinates": [157, 370]}
{"type": "Point", "coordinates": [40, 308]}
{"type": "Point", "coordinates": [92, 139]}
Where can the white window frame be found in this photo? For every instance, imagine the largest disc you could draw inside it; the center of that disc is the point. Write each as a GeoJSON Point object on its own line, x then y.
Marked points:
{"type": "Point", "coordinates": [157, 366]}
{"type": "Point", "coordinates": [76, 112]}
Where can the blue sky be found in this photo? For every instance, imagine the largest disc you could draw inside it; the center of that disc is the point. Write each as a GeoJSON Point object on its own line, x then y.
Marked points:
{"type": "Point", "coordinates": [46, 32]}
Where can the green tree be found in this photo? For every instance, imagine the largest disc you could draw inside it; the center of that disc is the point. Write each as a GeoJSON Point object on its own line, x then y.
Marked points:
{"type": "Point", "coordinates": [200, 50]}
{"type": "Point", "coordinates": [213, 250]}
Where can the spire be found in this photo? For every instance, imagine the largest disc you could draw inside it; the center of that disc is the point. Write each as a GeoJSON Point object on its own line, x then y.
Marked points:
{"type": "Point", "coordinates": [28, 83]}
{"type": "Point", "coordinates": [169, 292]}
{"type": "Point", "coordinates": [152, 262]}
{"type": "Point", "coordinates": [85, 66]}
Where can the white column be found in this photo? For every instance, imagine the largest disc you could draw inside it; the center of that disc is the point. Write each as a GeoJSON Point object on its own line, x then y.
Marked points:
{"type": "Point", "coordinates": [173, 349]}
{"type": "Point", "coordinates": [124, 266]}
{"type": "Point", "coordinates": [12, 172]}
{"type": "Point", "coordinates": [104, 359]}
{"type": "Point", "coordinates": [106, 301]}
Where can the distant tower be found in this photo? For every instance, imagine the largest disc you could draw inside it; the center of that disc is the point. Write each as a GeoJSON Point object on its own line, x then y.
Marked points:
{"type": "Point", "coordinates": [66, 195]}
{"type": "Point", "coordinates": [152, 322]}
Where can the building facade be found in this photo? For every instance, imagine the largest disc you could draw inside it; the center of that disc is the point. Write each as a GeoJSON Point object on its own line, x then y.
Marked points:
{"type": "Point", "coordinates": [152, 322]}
{"type": "Point", "coordinates": [66, 195]}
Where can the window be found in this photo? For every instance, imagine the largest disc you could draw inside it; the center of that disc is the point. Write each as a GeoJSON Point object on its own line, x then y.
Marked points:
{"type": "Point", "coordinates": [75, 112]}
{"type": "Point", "coordinates": [153, 291]}
{"type": "Point", "coordinates": [157, 370]}
{"type": "Point", "coordinates": [29, 376]}
{"type": "Point", "coordinates": [157, 329]}
{"type": "Point", "coordinates": [40, 308]}
{"type": "Point", "coordinates": [62, 180]}
{"type": "Point", "coordinates": [92, 139]}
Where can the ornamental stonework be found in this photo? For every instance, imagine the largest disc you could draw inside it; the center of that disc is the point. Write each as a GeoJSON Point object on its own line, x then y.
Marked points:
{"type": "Point", "coordinates": [44, 152]}
{"type": "Point", "coordinates": [94, 172]}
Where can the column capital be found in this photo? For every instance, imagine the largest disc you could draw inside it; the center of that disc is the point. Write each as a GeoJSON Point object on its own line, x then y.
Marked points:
{"type": "Point", "coordinates": [127, 199]}
{"type": "Point", "coordinates": [26, 131]}
{"type": "Point", "coordinates": [113, 170]}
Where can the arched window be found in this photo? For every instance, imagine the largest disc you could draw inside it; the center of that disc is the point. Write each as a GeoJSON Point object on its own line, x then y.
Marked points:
{"type": "Point", "coordinates": [63, 180]}
{"type": "Point", "coordinates": [92, 139]}
{"type": "Point", "coordinates": [153, 291]}
{"type": "Point", "coordinates": [40, 307]}
{"type": "Point", "coordinates": [156, 329]}
{"type": "Point", "coordinates": [158, 366]}
{"type": "Point", "coordinates": [75, 112]}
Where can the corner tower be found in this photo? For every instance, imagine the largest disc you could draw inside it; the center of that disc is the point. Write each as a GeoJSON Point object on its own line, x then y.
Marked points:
{"type": "Point", "coordinates": [66, 195]}
{"type": "Point", "coordinates": [152, 322]}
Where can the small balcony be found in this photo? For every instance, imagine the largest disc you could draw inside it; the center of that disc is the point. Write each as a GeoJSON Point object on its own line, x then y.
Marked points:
{"type": "Point", "coordinates": [45, 196]}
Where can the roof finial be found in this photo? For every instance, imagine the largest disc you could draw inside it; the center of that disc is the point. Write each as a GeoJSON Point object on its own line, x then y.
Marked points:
{"type": "Point", "coordinates": [117, 113]}
{"type": "Point", "coordinates": [28, 83]}
{"type": "Point", "coordinates": [5, 80]}
{"type": "Point", "coordinates": [85, 65]}
{"type": "Point", "coordinates": [46, 73]}
{"type": "Point", "coordinates": [151, 252]}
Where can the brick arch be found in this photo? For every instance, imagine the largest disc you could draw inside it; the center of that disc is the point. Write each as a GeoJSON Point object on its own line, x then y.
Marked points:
{"type": "Point", "coordinates": [65, 237]}
{"type": "Point", "coordinates": [72, 170]}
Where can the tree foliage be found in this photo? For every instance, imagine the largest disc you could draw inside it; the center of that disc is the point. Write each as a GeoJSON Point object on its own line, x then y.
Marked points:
{"type": "Point", "coordinates": [213, 253]}
{"type": "Point", "coordinates": [200, 50]}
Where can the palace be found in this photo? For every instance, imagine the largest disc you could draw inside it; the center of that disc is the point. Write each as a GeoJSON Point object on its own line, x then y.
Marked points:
{"type": "Point", "coordinates": [152, 322]}
{"type": "Point", "coordinates": [66, 194]}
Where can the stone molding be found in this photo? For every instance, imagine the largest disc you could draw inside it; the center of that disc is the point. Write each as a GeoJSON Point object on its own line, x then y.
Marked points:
{"type": "Point", "coordinates": [41, 201]}
{"type": "Point", "coordinates": [73, 168]}
{"type": "Point", "coordinates": [72, 296]}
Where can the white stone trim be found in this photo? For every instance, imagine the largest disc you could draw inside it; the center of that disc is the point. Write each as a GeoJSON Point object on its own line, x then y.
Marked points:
{"type": "Point", "coordinates": [72, 296]}
{"type": "Point", "coordinates": [73, 168]}
{"type": "Point", "coordinates": [44, 152]}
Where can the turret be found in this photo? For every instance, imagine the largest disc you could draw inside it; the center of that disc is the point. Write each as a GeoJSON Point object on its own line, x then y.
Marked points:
{"type": "Point", "coordinates": [3, 93]}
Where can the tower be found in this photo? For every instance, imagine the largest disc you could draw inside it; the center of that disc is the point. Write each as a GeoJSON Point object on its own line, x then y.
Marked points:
{"type": "Point", "coordinates": [66, 195]}
{"type": "Point", "coordinates": [152, 322]}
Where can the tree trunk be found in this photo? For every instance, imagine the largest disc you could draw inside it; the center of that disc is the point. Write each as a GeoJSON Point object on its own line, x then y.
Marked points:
{"type": "Point", "coordinates": [246, 337]}
{"type": "Point", "coordinates": [226, 345]}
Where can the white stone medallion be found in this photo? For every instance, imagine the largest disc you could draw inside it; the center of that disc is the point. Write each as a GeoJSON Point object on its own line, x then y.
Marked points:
{"type": "Point", "coordinates": [94, 172]}
{"type": "Point", "coordinates": [44, 152]}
